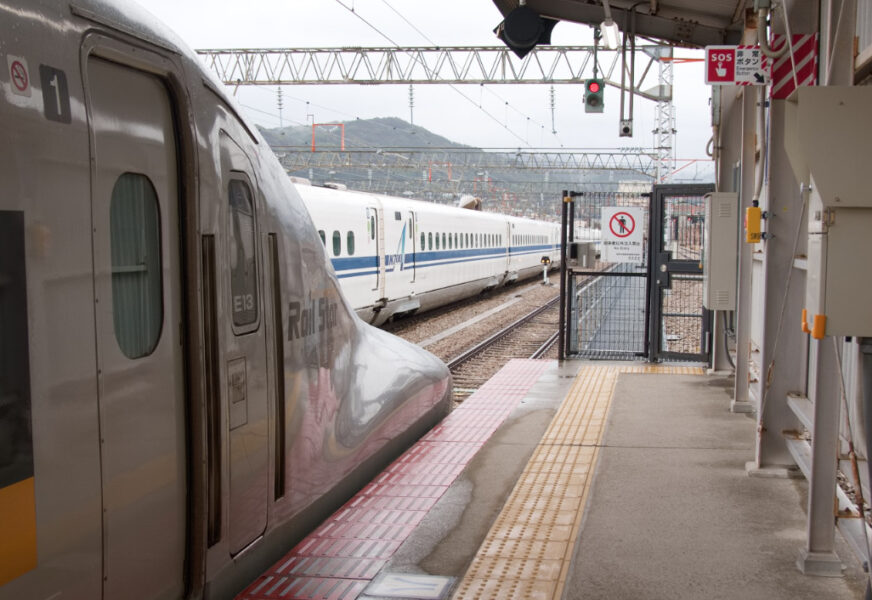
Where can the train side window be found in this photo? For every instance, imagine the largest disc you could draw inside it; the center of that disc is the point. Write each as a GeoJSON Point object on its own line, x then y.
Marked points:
{"type": "Point", "coordinates": [243, 260]}
{"type": "Point", "coordinates": [137, 289]}
{"type": "Point", "coordinates": [323, 236]}
{"type": "Point", "coordinates": [443, 240]}
{"type": "Point", "coordinates": [456, 245]}
{"type": "Point", "coordinates": [468, 240]}
{"type": "Point", "coordinates": [437, 241]}
{"type": "Point", "coordinates": [450, 243]}
{"type": "Point", "coordinates": [337, 243]}
{"type": "Point", "coordinates": [430, 240]}
{"type": "Point", "coordinates": [349, 243]}
{"type": "Point", "coordinates": [372, 227]}
{"type": "Point", "coordinates": [422, 241]}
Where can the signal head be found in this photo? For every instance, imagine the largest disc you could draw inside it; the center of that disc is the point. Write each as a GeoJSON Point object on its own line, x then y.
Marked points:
{"type": "Point", "coordinates": [593, 96]}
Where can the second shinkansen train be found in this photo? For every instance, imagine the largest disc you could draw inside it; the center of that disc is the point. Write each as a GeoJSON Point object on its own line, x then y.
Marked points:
{"type": "Point", "coordinates": [395, 256]}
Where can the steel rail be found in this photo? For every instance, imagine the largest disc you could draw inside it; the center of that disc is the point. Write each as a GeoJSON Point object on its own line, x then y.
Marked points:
{"type": "Point", "coordinates": [487, 343]}
{"type": "Point", "coordinates": [546, 346]}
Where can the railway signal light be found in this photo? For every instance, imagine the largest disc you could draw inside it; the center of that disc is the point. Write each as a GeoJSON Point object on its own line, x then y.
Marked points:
{"type": "Point", "coordinates": [593, 95]}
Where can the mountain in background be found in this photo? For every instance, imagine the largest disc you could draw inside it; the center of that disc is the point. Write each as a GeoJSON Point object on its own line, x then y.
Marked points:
{"type": "Point", "coordinates": [391, 156]}
{"type": "Point", "coordinates": [386, 132]}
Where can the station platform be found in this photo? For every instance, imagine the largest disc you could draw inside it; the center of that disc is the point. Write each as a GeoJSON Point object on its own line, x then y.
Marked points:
{"type": "Point", "coordinates": [570, 480]}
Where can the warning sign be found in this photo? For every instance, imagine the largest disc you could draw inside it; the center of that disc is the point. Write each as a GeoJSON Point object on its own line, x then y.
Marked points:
{"type": "Point", "coordinates": [735, 65]}
{"type": "Point", "coordinates": [622, 234]}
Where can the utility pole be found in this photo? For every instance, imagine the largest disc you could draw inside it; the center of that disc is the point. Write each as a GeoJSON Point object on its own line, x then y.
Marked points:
{"type": "Point", "coordinates": [411, 104]}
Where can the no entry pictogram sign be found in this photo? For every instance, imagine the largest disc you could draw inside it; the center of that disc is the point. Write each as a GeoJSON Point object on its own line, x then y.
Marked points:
{"type": "Point", "coordinates": [622, 233]}
{"type": "Point", "coordinates": [622, 224]}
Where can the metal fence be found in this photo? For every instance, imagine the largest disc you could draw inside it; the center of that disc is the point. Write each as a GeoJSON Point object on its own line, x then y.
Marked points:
{"type": "Point", "coordinates": [609, 313]}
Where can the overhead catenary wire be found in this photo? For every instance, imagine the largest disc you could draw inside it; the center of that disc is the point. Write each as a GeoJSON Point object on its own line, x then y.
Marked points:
{"type": "Point", "coordinates": [433, 43]}
{"type": "Point", "coordinates": [451, 85]}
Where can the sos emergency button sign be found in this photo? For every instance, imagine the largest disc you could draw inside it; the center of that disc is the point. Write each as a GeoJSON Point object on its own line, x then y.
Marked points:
{"type": "Point", "coordinates": [735, 65]}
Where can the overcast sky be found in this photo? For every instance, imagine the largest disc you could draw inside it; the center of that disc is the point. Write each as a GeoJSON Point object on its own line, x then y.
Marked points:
{"type": "Point", "coordinates": [512, 116]}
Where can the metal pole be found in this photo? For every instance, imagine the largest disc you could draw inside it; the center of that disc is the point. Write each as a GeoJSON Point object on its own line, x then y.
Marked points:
{"type": "Point", "coordinates": [561, 332]}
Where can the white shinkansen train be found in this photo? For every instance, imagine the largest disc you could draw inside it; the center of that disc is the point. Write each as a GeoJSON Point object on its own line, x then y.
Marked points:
{"type": "Point", "coordinates": [185, 391]}
{"type": "Point", "coordinates": [395, 256]}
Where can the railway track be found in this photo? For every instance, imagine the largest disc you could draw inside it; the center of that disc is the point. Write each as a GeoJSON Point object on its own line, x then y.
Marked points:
{"type": "Point", "coordinates": [530, 336]}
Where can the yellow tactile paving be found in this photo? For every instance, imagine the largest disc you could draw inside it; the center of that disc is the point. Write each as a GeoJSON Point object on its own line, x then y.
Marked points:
{"type": "Point", "coordinates": [527, 552]}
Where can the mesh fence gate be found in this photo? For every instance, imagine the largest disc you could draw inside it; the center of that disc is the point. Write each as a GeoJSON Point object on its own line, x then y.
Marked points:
{"type": "Point", "coordinates": [649, 304]}
{"type": "Point", "coordinates": [681, 327]}
{"type": "Point", "coordinates": [607, 302]}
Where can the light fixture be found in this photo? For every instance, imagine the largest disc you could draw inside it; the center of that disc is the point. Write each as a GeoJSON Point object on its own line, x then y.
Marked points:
{"type": "Point", "coordinates": [610, 31]}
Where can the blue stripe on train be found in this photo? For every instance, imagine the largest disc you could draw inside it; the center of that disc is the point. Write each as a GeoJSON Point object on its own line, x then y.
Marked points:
{"type": "Point", "coordinates": [436, 258]}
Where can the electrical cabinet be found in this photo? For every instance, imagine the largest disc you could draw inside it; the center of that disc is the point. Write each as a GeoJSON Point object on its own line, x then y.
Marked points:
{"type": "Point", "coordinates": [720, 251]}
{"type": "Point", "coordinates": [827, 141]}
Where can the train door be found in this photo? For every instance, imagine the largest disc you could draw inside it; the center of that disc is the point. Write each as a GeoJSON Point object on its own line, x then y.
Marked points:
{"type": "Point", "coordinates": [411, 248]}
{"type": "Point", "coordinates": [140, 366]}
{"type": "Point", "coordinates": [243, 350]}
{"type": "Point", "coordinates": [374, 235]}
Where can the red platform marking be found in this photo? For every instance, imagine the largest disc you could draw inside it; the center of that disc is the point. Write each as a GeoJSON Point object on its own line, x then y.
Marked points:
{"type": "Point", "coordinates": [340, 558]}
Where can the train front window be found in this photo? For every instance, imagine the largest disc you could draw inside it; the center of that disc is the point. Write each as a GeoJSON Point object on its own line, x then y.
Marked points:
{"type": "Point", "coordinates": [243, 259]}
{"type": "Point", "coordinates": [137, 289]}
{"type": "Point", "coordinates": [323, 236]}
{"type": "Point", "coordinates": [16, 442]}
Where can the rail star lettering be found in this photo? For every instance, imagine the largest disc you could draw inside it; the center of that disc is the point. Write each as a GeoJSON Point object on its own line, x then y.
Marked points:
{"type": "Point", "coordinates": [317, 316]}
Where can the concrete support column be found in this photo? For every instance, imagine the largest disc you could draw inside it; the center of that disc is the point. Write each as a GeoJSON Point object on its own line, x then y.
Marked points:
{"type": "Point", "coordinates": [818, 556]}
{"type": "Point", "coordinates": [741, 401]}
{"type": "Point", "coordinates": [784, 296]}
{"type": "Point", "coordinates": [837, 25]}
{"type": "Point", "coordinates": [720, 360]}
{"type": "Point", "coordinates": [782, 283]}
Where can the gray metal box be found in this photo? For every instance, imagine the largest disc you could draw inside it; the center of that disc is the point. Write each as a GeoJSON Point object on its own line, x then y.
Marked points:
{"type": "Point", "coordinates": [827, 132]}
{"type": "Point", "coordinates": [582, 255]}
{"type": "Point", "coordinates": [720, 251]}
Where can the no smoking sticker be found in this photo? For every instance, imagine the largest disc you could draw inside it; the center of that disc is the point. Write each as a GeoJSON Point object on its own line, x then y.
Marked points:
{"type": "Point", "coordinates": [19, 75]}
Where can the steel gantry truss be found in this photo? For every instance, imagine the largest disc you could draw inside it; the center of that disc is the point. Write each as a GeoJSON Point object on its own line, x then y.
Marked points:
{"type": "Point", "coordinates": [635, 160]}
{"type": "Point", "coordinates": [468, 65]}
{"type": "Point", "coordinates": [517, 182]}
{"type": "Point", "coordinates": [423, 65]}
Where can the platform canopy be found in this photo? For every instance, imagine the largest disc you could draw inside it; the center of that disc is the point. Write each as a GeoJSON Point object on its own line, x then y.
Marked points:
{"type": "Point", "coordinates": [682, 22]}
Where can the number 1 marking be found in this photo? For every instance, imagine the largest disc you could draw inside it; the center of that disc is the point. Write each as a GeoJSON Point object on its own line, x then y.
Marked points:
{"type": "Point", "coordinates": [54, 83]}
